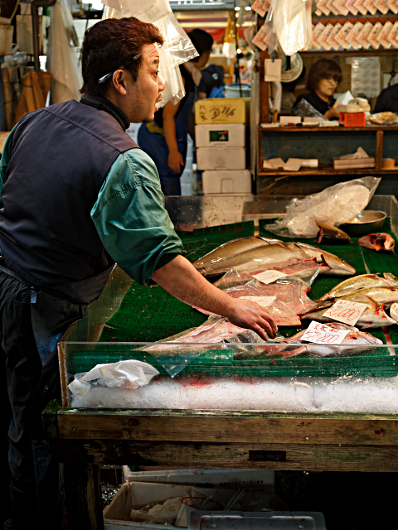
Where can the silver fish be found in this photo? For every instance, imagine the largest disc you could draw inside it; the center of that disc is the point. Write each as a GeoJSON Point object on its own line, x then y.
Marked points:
{"type": "Point", "coordinates": [227, 257]}
{"type": "Point", "coordinates": [363, 281]}
{"type": "Point", "coordinates": [381, 295]}
{"type": "Point", "coordinates": [374, 315]}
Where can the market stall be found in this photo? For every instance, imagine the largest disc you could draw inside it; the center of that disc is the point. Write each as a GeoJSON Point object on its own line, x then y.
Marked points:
{"type": "Point", "coordinates": [228, 405]}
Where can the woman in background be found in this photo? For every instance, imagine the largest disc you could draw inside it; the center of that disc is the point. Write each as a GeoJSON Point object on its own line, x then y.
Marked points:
{"type": "Point", "coordinates": [323, 78]}
{"type": "Point", "coordinates": [165, 139]}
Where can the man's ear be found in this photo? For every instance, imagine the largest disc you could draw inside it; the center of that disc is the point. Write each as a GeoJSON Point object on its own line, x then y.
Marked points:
{"type": "Point", "coordinates": [118, 82]}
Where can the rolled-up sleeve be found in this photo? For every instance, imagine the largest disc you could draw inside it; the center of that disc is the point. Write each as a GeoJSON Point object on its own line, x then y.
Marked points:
{"type": "Point", "coordinates": [131, 219]}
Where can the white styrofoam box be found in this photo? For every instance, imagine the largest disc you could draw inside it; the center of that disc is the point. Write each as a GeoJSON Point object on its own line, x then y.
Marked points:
{"type": "Point", "coordinates": [132, 131]}
{"type": "Point", "coordinates": [139, 494]}
{"type": "Point", "coordinates": [227, 182]}
{"type": "Point", "coordinates": [220, 157]}
{"type": "Point", "coordinates": [256, 520]}
{"type": "Point", "coordinates": [290, 119]}
{"type": "Point", "coordinates": [194, 477]}
{"type": "Point", "coordinates": [228, 135]}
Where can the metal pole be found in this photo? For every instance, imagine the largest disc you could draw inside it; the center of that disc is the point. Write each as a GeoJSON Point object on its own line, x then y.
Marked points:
{"type": "Point", "coordinates": [36, 39]}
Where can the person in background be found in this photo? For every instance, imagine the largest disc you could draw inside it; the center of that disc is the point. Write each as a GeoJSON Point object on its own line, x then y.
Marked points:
{"type": "Point", "coordinates": [245, 71]}
{"type": "Point", "coordinates": [323, 78]}
{"type": "Point", "coordinates": [61, 237]}
{"type": "Point", "coordinates": [212, 80]}
{"type": "Point", "coordinates": [387, 100]}
{"type": "Point", "coordinates": [165, 138]}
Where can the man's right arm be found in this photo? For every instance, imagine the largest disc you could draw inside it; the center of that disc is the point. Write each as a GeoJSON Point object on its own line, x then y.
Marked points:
{"type": "Point", "coordinates": [180, 278]}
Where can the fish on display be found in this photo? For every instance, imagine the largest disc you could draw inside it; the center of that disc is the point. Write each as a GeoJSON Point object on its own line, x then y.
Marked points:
{"type": "Point", "coordinates": [355, 338]}
{"type": "Point", "coordinates": [394, 311]}
{"type": "Point", "coordinates": [363, 281]}
{"type": "Point", "coordinates": [330, 234]}
{"type": "Point", "coordinates": [263, 252]}
{"type": "Point", "coordinates": [374, 315]}
{"type": "Point", "coordinates": [378, 241]}
{"type": "Point", "coordinates": [381, 295]}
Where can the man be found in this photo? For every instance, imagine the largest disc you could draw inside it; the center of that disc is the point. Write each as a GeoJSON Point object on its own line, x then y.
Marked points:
{"type": "Point", "coordinates": [77, 196]}
{"type": "Point", "coordinates": [387, 100]}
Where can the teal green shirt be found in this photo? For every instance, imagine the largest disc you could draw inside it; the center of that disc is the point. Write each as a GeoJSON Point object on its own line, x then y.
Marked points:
{"type": "Point", "coordinates": [129, 214]}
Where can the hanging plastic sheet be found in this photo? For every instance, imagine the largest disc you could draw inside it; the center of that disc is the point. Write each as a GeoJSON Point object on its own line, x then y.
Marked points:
{"type": "Point", "coordinates": [62, 61]}
{"type": "Point", "coordinates": [177, 48]}
{"type": "Point", "coordinates": [291, 22]}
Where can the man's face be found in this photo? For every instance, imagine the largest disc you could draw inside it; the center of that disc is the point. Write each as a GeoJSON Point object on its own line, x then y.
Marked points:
{"type": "Point", "coordinates": [145, 92]}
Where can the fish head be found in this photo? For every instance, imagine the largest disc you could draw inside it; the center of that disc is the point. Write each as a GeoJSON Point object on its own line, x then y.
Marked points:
{"type": "Point", "coordinates": [337, 265]}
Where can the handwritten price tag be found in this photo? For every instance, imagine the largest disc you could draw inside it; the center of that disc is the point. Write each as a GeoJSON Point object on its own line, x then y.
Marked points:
{"type": "Point", "coordinates": [346, 311]}
{"type": "Point", "coordinates": [269, 276]}
{"type": "Point", "coordinates": [322, 334]}
{"type": "Point", "coordinates": [264, 301]}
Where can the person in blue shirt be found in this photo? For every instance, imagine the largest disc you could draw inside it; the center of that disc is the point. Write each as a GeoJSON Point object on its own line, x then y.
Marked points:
{"type": "Point", "coordinates": [77, 195]}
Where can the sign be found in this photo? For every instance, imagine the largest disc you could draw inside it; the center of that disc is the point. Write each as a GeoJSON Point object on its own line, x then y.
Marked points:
{"type": "Point", "coordinates": [322, 334]}
{"type": "Point", "coordinates": [218, 136]}
{"type": "Point", "coordinates": [345, 311]}
{"type": "Point", "coordinates": [269, 276]}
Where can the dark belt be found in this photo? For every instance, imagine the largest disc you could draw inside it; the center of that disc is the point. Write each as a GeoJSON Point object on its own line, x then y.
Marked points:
{"type": "Point", "coordinates": [55, 294]}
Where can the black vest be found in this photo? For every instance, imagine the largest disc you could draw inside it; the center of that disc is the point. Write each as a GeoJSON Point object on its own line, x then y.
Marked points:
{"type": "Point", "coordinates": [60, 158]}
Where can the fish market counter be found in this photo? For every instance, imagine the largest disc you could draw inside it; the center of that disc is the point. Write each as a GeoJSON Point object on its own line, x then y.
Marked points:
{"type": "Point", "coordinates": [226, 405]}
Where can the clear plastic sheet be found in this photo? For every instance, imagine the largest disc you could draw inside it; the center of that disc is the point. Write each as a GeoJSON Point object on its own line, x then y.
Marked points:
{"type": "Point", "coordinates": [177, 48]}
{"type": "Point", "coordinates": [305, 109]}
{"type": "Point", "coordinates": [334, 205]}
{"type": "Point", "coordinates": [290, 24]}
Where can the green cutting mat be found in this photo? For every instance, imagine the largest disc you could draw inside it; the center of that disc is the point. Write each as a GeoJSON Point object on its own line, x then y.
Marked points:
{"type": "Point", "coordinates": [149, 314]}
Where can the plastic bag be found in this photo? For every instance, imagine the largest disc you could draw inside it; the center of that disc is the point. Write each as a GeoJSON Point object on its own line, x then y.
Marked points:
{"type": "Point", "coordinates": [290, 24]}
{"type": "Point", "coordinates": [334, 205]}
{"type": "Point", "coordinates": [305, 109]}
{"type": "Point", "coordinates": [129, 374]}
{"type": "Point", "coordinates": [177, 48]}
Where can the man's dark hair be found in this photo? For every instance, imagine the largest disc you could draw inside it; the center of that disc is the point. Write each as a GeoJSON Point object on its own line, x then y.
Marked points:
{"type": "Point", "coordinates": [111, 44]}
{"type": "Point", "coordinates": [323, 69]}
{"type": "Point", "coordinates": [202, 41]}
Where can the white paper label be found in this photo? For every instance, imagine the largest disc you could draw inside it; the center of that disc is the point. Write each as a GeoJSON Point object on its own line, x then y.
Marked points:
{"type": "Point", "coordinates": [322, 334]}
{"type": "Point", "coordinates": [345, 311]}
{"type": "Point", "coordinates": [264, 301]}
{"type": "Point", "coordinates": [269, 276]}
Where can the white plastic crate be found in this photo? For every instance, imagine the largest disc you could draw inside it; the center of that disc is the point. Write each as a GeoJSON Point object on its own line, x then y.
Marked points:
{"type": "Point", "coordinates": [226, 182]}
{"type": "Point", "coordinates": [220, 157]}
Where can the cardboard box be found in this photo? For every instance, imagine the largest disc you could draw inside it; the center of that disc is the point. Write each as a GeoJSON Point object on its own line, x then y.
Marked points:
{"type": "Point", "coordinates": [213, 158]}
{"type": "Point", "coordinates": [230, 182]}
{"type": "Point", "coordinates": [227, 135]}
{"type": "Point", "coordinates": [222, 110]}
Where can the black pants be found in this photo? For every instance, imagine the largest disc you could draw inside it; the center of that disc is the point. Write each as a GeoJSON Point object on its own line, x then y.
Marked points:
{"type": "Point", "coordinates": [30, 385]}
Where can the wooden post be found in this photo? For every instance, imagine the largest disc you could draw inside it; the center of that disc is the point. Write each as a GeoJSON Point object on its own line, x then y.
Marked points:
{"type": "Point", "coordinates": [379, 150]}
{"type": "Point", "coordinates": [264, 91]}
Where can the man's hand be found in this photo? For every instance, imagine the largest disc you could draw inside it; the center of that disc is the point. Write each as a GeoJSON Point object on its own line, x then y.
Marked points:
{"type": "Point", "coordinates": [249, 315]}
{"type": "Point", "coordinates": [182, 280]}
{"type": "Point", "coordinates": [175, 161]}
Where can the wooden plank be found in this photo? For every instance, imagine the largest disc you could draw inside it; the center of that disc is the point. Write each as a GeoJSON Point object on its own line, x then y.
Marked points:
{"type": "Point", "coordinates": [379, 150]}
{"type": "Point", "coordinates": [290, 128]}
{"type": "Point", "coordinates": [233, 455]}
{"type": "Point", "coordinates": [264, 90]}
{"type": "Point", "coordinates": [83, 496]}
{"type": "Point", "coordinates": [227, 427]}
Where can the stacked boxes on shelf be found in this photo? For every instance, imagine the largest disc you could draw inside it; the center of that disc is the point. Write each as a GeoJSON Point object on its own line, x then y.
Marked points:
{"type": "Point", "coordinates": [222, 146]}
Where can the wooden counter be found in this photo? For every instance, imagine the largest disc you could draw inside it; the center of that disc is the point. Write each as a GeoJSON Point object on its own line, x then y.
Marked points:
{"type": "Point", "coordinates": [86, 439]}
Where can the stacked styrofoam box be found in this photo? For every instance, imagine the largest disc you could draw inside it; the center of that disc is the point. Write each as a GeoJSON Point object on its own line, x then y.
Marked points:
{"type": "Point", "coordinates": [222, 146]}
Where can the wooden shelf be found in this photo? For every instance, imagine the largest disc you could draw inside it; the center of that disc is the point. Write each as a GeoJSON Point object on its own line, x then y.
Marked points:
{"type": "Point", "coordinates": [328, 171]}
{"type": "Point", "coordinates": [367, 128]}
